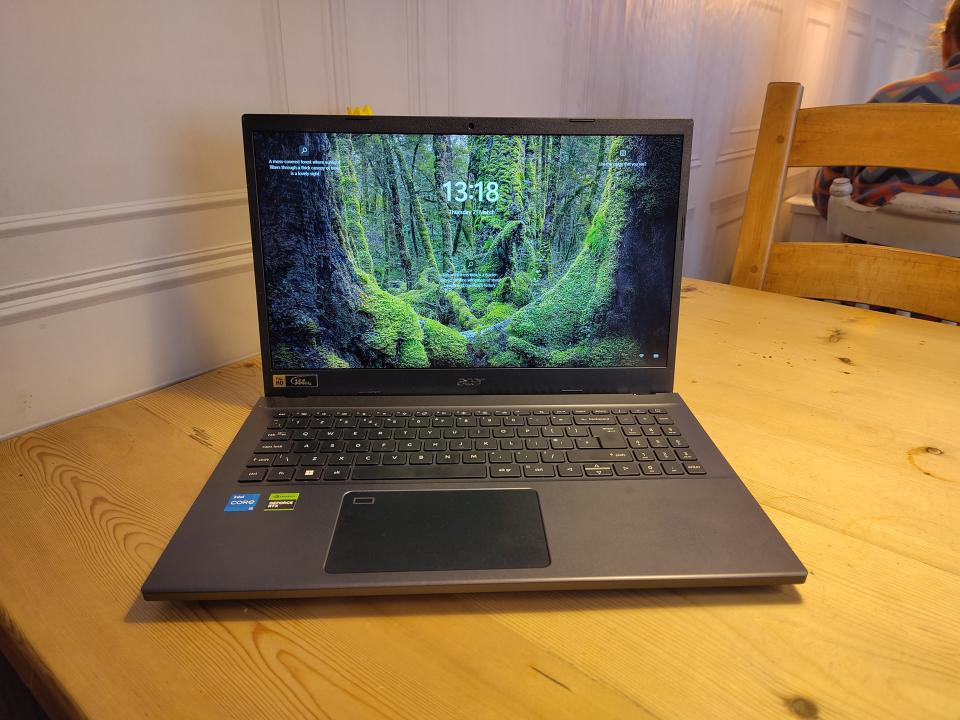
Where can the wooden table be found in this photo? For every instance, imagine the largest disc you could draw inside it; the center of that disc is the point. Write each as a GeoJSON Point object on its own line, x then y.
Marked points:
{"type": "Point", "coordinates": [844, 423]}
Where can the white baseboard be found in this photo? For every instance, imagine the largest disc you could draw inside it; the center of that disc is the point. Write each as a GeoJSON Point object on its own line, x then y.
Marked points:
{"type": "Point", "coordinates": [120, 398]}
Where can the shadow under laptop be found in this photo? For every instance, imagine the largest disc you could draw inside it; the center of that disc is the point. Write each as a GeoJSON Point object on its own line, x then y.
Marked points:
{"type": "Point", "coordinates": [587, 601]}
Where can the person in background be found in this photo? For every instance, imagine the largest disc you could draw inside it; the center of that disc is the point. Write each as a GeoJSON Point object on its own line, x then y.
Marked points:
{"type": "Point", "coordinates": [876, 186]}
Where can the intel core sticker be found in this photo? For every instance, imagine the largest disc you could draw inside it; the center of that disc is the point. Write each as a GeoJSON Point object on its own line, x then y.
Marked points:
{"type": "Point", "coordinates": [282, 501]}
{"type": "Point", "coordinates": [242, 502]}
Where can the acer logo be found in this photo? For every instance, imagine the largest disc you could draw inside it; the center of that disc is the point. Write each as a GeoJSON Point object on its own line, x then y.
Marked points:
{"type": "Point", "coordinates": [470, 382]}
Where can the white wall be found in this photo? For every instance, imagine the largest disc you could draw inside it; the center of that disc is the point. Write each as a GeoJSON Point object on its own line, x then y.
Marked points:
{"type": "Point", "coordinates": [124, 260]}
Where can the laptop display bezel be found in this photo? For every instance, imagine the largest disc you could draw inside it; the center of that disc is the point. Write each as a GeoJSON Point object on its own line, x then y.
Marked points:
{"type": "Point", "coordinates": [465, 381]}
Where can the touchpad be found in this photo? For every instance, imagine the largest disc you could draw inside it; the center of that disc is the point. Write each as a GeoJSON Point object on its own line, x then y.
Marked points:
{"type": "Point", "coordinates": [417, 530]}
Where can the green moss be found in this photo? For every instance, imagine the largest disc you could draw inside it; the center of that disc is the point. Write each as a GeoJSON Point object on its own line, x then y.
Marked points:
{"type": "Point", "coordinates": [445, 306]}
{"type": "Point", "coordinates": [284, 357]}
{"type": "Point", "coordinates": [535, 356]}
{"type": "Point", "coordinates": [507, 358]}
{"type": "Point", "coordinates": [353, 216]}
{"type": "Point", "coordinates": [332, 360]}
{"type": "Point", "coordinates": [498, 258]}
{"type": "Point", "coordinates": [496, 312]}
{"type": "Point", "coordinates": [445, 347]}
{"type": "Point", "coordinates": [608, 352]}
{"type": "Point", "coordinates": [395, 330]}
{"type": "Point", "coordinates": [462, 316]}
{"type": "Point", "coordinates": [575, 308]}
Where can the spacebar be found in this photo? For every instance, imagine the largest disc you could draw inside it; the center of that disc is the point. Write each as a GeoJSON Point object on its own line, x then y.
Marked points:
{"type": "Point", "coordinates": [419, 472]}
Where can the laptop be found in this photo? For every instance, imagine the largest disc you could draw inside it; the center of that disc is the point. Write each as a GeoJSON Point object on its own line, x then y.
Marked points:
{"type": "Point", "coordinates": [468, 330]}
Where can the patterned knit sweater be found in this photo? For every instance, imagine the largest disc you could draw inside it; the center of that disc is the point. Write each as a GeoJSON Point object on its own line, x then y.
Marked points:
{"type": "Point", "coordinates": [876, 186]}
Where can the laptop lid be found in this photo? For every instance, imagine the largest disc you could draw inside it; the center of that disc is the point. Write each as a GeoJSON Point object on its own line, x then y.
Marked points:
{"type": "Point", "coordinates": [421, 255]}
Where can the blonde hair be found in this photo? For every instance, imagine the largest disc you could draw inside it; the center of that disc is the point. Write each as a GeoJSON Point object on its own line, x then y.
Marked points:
{"type": "Point", "coordinates": [951, 23]}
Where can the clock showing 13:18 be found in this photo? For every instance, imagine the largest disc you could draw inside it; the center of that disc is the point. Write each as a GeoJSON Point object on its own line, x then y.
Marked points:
{"type": "Point", "coordinates": [479, 191]}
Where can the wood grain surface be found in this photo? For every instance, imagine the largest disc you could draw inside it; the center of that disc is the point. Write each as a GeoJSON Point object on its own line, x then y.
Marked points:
{"type": "Point", "coordinates": [842, 422]}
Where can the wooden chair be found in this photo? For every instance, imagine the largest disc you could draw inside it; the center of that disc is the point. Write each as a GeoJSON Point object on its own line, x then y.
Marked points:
{"type": "Point", "coordinates": [909, 135]}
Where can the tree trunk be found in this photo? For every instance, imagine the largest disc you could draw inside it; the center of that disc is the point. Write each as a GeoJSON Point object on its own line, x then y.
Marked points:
{"type": "Point", "coordinates": [442, 173]}
{"type": "Point", "coordinates": [353, 214]}
{"type": "Point", "coordinates": [313, 291]}
{"type": "Point", "coordinates": [396, 217]}
{"type": "Point", "coordinates": [552, 172]}
{"type": "Point", "coordinates": [419, 222]}
{"type": "Point", "coordinates": [590, 208]}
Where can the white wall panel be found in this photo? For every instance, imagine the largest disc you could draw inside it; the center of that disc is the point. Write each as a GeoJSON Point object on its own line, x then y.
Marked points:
{"type": "Point", "coordinates": [123, 228]}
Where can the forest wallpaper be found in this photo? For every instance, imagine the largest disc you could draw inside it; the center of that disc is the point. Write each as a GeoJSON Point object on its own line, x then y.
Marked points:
{"type": "Point", "coordinates": [415, 251]}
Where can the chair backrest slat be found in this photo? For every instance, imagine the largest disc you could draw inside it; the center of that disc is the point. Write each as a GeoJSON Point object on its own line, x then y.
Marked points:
{"type": "Point", "coordinates": [899, 135]}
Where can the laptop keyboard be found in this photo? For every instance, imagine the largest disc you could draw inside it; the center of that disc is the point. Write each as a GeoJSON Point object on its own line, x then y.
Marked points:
{"type": "Point", "coordinates": [332, 445]}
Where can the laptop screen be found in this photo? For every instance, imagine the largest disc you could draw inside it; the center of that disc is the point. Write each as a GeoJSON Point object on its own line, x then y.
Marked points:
{"type": "Point", "coordinates": [449, 251]}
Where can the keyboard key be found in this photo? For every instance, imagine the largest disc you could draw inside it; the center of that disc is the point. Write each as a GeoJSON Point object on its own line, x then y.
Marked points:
{"type": "Point", "coordinates": [554, 456]}
{"type": "Point", "coordinates": [397, 458]}
{"type": "Point", "coordinates": [596, 455]}
{"type": "Point", "coordinates": [612, 442]}
{"type": "Point", "coordinates": [587, 443]}
{"type": "Point", "coordinates": [658, 411]}
{"type": "Point", "coordinates": [274, 447]}
{"type": "Point", "coordinates": [368, 459]}
{"type": "Point", "coordinates": [501, 456]}
{"type": "Point", "coordinates": [650, 468]}
{"type": "Point", "coordinates": [626, 468]}
{"type": "Point", "coordinates": [422, 472]}
{"type": "Point", "coordinates": [339, 473]}
{"type": "Point", "coordinates": [666, 454]}
{"type": "Point", "coordinates": [597, 470]}
{"type": "Point", "coordinates": [528, 456]}
{"type": "Point", "coordinates": [280, 474]}
{"type": "Point", "coordinates": [285, 460]}
{"type": "Point", "coordinates": [421, 458]}
{"type": "Point", "coordinates": [252, 475]}
{"type": "Point", "coordinates": [538, 470]}
{"type": "Point", "coordinates": [595, 420]}
{"type": "Point", "coordinates": [686, 455]}
{"type": "Point", "coordinates": [501, 471]}
{"type": "Point", "coordinates": [313, 460]}
{"type": "Point", "coordinates": [677, 442]}
{"type": "Point", "coordinates": [670, 430]}
{"type": "Point", "coordinates": [664, 420]}
{"type": "Point", "coordinates": [448, 458]}
{"type": "Point", "coordinates": [570, 470]}
{"type": "Point", "coordinates": [694, 468]}
{"type": "Point", "coordinates": [474, 457]}
{"type": "Point", "coordinates": [638, 442]}
{"type": "Point", "coordinates": [307, 474]}
{"type": "Point", "coordinates": [276, 435]}
{"type": "Point", "coordinates": [644, 455]}
{"type": "Point", "coordinates": [260, 460]}
{"type": "Point", "coordinates": [672, 468]}
{"type": "Point", "coordinates": [658, 442]}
